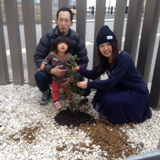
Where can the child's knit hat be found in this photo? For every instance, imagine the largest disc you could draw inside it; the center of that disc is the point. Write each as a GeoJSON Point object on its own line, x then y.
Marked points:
{"type": "Point", "coordinates": [105, 35]}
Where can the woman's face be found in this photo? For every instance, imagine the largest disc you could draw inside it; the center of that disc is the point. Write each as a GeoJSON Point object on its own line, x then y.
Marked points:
{"type": "Point", "coordinates": [62, 47]}
{"type": "Point", "coordinates": [106, 49]}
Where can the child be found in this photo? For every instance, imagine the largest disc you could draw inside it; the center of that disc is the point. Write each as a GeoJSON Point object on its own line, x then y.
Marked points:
{"type": "Point", "coordinates": [59, 56]}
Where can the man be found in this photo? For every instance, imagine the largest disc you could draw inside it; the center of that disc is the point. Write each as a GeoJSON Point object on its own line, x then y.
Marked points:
{"type": "Point", "coordinates": [43, 79]}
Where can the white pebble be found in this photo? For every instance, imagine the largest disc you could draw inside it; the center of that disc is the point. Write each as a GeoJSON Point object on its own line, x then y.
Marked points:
{"type": "Point", "coordinates": [19, 108]}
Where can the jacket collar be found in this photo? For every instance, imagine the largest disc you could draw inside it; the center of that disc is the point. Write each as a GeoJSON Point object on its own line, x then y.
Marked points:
{"type": "Point", "coordinates": [57, 32]}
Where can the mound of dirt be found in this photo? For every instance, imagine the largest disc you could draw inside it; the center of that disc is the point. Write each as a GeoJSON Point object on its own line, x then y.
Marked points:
{"type": "Point", "coordinates": [109, 137]}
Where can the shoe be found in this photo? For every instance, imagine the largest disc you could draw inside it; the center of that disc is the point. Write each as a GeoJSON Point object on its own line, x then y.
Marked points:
{"type": "Point", "coordinates": [57, 105]}
{"type": "Point", "coordinates": [45, 97]}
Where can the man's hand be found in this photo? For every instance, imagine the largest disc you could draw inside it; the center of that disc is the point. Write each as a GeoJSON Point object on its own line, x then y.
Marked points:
{"type": "Point", "coordinates": [58, 71]}
{"type": "Point", "coordinates": [83, 84]}
{"type": "Point", "coordinates": [67, 80]}
{"type": "Point", "coordinates": [42, 67]}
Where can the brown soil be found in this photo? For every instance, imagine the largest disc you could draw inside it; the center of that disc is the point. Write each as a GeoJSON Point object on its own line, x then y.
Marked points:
{"type": "Point", "coordinates": [109, 137]}
{"type": "Point", "coordinates": [65, 117]}
{"type": "Point", "coordinates": [27, 133]}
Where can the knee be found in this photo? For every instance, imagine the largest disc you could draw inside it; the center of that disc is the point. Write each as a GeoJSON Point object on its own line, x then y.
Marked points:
{"type": "Point", "coordinates": [40, 76]}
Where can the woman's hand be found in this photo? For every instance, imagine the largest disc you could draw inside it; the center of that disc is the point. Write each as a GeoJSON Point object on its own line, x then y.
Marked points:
{"type": "Point", "coordinates": [76, 68]}
{"type": "Point", "coordinates": [83, 84]}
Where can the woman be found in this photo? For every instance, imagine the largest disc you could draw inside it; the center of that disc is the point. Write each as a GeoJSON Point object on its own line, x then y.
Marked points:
{"type": "Point", "coordinates": [124, 96]}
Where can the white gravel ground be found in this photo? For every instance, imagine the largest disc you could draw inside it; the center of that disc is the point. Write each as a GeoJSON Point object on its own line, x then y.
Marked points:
{"type": "Point", "coordinates": [20, 109]}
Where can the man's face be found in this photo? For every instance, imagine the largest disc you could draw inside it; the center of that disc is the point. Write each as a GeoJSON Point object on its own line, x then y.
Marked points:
{"type": "Point", "coordinates": [64, 22]}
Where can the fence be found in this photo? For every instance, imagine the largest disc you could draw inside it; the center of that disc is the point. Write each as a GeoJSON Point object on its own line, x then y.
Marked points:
{"type": "Point", "coordinates": [140, 37]}
{"type": "Point", "coordinates": [109, 10]}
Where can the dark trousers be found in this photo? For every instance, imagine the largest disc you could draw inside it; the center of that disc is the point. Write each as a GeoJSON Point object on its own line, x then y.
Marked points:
{"type": "Point", "coordinates": [43, 80]}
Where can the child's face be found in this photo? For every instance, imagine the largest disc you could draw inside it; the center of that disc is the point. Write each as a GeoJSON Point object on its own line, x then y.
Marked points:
{"type": "Point", "coordinates": [62, 47]}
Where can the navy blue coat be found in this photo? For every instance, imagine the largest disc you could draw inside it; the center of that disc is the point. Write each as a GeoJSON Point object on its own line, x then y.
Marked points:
{"type": "Point", "coordinates": [124, 76]}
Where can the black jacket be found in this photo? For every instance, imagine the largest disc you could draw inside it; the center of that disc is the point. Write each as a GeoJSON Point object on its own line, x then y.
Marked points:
{"type": "Point", "coordinates": [46, 42]}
